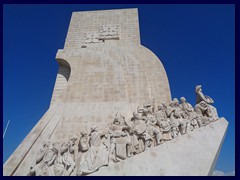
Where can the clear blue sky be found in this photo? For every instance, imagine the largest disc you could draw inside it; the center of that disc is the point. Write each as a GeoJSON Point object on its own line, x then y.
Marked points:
{"type": "Point", "coordinates": [194, 42]}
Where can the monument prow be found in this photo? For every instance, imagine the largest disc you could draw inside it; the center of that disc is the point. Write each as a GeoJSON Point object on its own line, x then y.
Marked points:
{"type": "Point", "coordinates": [112, 107]}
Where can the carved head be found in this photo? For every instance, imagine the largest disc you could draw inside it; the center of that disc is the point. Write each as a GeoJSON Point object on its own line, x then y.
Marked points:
{"type": "Point", "coordinates": [176, 102]}
{"type": "Point", "coordinates": [176, 114]}
{"type": "Point", "coordinates": [147, 105]}
{"type": "Point", "coordinates": [57, 145]}
{"type": "Point", "coordinates": [74, 138]}
{"type": "Point", "coordinates": [183, 99]}
{"type": "Point", "coordinates": [136, 115]}
{"type": "Point", "coordinates": [116, 121]}
{"type": "Point", "coordinates": [54, 150]}
{"type": "Point", "coordinates": [83, 133]}
{"type": "Point", "coordinates": [47, 143]}
{"type": "Point", "coordinates": [198, 88]}
{"type": "Point", "coordinates": [160, 107]}
{"type": "Point", "coordinates": [145, 111]}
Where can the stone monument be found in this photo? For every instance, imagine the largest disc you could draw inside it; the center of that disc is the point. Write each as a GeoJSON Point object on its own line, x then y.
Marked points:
{"type": "Point", "coordinates": [111, 111]}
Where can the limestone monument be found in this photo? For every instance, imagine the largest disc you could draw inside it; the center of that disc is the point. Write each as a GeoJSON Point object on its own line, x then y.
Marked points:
{"type": "Point", "coordinates": [112, 113]}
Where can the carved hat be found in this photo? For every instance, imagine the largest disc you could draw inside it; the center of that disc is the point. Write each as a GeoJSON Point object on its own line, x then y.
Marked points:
{"type": "Point", "coordinates": [197, 88]}
{"type": "Point", "coordinates": [116, 118]}
{"type": "Point", "coordinates": [74, 138]}
{"type": "Point", "coordinates": [147, 104]}
{"type": "Point", "coordinates": [84, 132]}
{"type": "Point", "coordinates": [135, 116]}
{"type": "Point", "coordinates": [94, 128]}
{"type": "Point", "coordinates": [174, 102]}
{"type": "Point", "coordinates": [47, 143]}
{"type": "Point", "coordinates": [183, 99]}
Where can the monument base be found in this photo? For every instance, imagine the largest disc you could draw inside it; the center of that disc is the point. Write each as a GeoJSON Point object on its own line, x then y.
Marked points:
{"type": "Point", "coordinates": [193, 154]}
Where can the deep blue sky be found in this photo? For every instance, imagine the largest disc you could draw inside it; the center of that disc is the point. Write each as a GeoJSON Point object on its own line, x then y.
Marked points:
{"type": "Point", "coordinates": [194, 42]}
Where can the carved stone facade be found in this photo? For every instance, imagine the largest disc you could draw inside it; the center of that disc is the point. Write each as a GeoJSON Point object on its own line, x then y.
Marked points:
{"type": "Point", "coordinates": [104, 70]}
{"type": "Point", "coordinates": [105, 32]}
{"type": "Point", "coordinates": [121, 140]}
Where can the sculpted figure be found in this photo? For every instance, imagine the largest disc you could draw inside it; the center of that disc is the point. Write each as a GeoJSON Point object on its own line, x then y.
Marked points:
{"type": "Point", "coordinates": [59, 166]}
{"type": "Point", "coordinates": [67, 151]}
{"type": "Point", "coordinates": [138, 129]}
{"type": "Point", "coordinates": [83, 147]}
{"type": "Point", "coordinates": [175, 132]}
{"type": "Point", "coordinates": [139, 132]}
{"type": "Point", "coordinates": [189, 113]}
{"type": "Point", "coordinates": [164, 123]}
{"type": "Point", "coordinates": [120, 139]}
{"type": "Point", "coordinates": [211, 111]}
{"type": "Point", "coordinates": [201, 97]}
{"type": "Point", "coordinates": [83, 142]}
{"type": "Point", "coordinates": [202, 110]}
{"type": "Point", "coordinates": [152, 130]}
{"type": "Point", "coordinates": [97, 155]}
{"type": "Point", "coordinates": [161, 115]}
{"type": "Point", "coordinates": [166, 129]}
{"type": "Point", "coordinates": [173, 113]}
{"type": "Point", "coordinates": [35, 169]}
{"type": "Point", "coordinates": [150, 106]}
{"type": "Point", "coordinates": [45, 161]}
{"type": "Point", "coordinates": [177, 118]}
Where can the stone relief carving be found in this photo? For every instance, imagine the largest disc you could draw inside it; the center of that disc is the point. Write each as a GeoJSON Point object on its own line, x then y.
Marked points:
{"type": "Point", "coordinates": [97, 154]}
{"type": "Point", "coordinates": [105, 32]}
{"type": "Point", "coordinates": [90, 38]}
{"type": "Point", "coordinates": [203, 103]}
{"type": "Point", "coordinates": [121, 139]}
{"type": "Point", "coordinates": [44, 161]}
{"type": "Point", "coordinates": [110, 31]}
{"type": "Point", "coordinates": [68, 159]}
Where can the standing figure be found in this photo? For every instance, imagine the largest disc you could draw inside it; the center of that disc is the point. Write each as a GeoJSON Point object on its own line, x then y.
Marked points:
{"type": "Point", "coordinates": [59, 167]}
{"type": "Point", "coordinates": [152, 132]}
{"type": "Point", "coordinates": [68, 150]}
{"type": "Point", "coordinates": [83, 147]}
{"type": "Point", "coordinates": [97, 155]}
{"type": "Point", "coordinates": [138, 129]}
{"type": "Point", "coordinates": [202, 111]}
{"type": "Point", "coordinates": [211, 111]}
{"type": "Point", "coordinates": [120, 139]}
{"type": "Point", "coordinates": [45, 161]}
{"type": "Point", "coordinates": [161, 115]}
{"type": "Point", "coordinates": [164, 123]}
{"type": "Point", "coordinates": [189, 113]}
{"type": "Point", "coordinates": [175, 132]}
{"type": "Point", "coordinates": [173, 113]}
